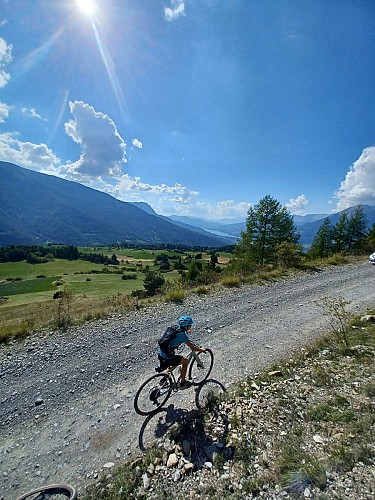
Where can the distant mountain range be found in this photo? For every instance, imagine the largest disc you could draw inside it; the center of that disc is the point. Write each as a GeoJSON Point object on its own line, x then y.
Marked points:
{"type": "Point", "coordinates": [307, 225]}
{"type": "Point", "coordinates": [37, 208]}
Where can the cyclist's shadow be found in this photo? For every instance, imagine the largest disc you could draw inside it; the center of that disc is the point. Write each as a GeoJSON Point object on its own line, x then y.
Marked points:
{"type": "Point", "coordinates": [170, 420]}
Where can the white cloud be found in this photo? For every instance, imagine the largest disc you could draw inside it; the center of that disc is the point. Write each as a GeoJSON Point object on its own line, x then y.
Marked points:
{"type": "Point", "coordinates": [136, 143]}
{"type": "Point", "coordinates": [297, 206]}
{"type": "Point", "coordinates": [358, 188]}
{"type": "Point", "coordinates": [103, 149]}
{"type": "Point", "coordinates": [31, 113]}
{"type": "Point", "coordinates": [128, 186]}
{"type": "Point", "coordinates": [26, 154]}
{"type": "Point", "coordinates": [4, 112]}
{"type": "Point", "coordinates": [176, 10]}
{"type": "Point", "coordinates": [5, 58]}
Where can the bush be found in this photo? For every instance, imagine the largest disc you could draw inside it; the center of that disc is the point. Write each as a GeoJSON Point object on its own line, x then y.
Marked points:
{"type": "Point", "coordinates": [231, 282]}
{"type": "Point", "coordinates": [176, 296]}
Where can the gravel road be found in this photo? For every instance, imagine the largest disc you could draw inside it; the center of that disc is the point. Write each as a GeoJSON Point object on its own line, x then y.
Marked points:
{"type": "Point", "coordinates": [66, 398]}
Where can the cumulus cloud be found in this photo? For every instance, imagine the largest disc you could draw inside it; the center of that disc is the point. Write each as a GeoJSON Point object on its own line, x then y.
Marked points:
{"type": "Point", "coordinates": [136, 143]}
{"type": "Point", "coordinates": [103, 149]}
{"type": "Point", "coordinates": [4, 112]}
{"type": "Point", "coordinates": [26, 154]}
{"type": "Point", "coordinates": [131, 186]}
{"type": "Point", "coordinates": [176, 10]}
{"type": "Point", "coordinates": [358, 187]}
{"type": "Point", "coordinates": [5, 58]}
{"type": "Point", "coordinates": [297, 206]}
{"type": "Point", "coordinates": [31, 113]}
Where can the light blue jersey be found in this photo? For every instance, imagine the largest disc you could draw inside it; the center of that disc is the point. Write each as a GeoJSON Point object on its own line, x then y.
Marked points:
{"type": "Point", "coordinates": [180, 338]}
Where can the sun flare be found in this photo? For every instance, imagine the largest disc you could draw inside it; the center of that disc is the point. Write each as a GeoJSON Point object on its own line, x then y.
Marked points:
{"type": "Point", "coordinates": [88, 7]}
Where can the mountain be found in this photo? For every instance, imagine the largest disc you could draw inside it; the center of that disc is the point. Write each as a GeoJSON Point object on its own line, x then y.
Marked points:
{"type": "Point", "coordinates": [309, 230]}
{"type": "Point", "coordinates": [307, 225]}
{"type": "Point", "coordinates": [304, 219]}
{"type": "Point", "coordinates": [37, 208]}
{"type": "Point", "coordinates": [147, 208]}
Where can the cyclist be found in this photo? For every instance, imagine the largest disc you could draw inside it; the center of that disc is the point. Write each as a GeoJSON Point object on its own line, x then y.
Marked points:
{"type": "Point", "coordinates": [184, 324]}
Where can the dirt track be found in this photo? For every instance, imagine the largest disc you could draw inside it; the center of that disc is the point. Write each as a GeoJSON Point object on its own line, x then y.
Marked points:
{"type": "Point", "coordinates": [67, 399]}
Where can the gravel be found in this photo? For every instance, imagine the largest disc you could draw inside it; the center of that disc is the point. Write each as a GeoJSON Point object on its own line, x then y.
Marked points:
{"type": "Point", "coordinates": [67, 397]}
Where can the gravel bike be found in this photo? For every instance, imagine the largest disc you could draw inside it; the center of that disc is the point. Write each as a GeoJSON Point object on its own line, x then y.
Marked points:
{"type": "Point", "coordinates": [54, 491]}
{"type": "Point", "coordinates": [155, 391]}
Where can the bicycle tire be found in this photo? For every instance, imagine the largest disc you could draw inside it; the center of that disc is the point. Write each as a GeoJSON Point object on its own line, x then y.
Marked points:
{"type": "Point", "coordinates": [199, 372]}
{"type": "Point", "coordinates": [143, 402]}
{"type": "Point", "coordinates": [45, 492]}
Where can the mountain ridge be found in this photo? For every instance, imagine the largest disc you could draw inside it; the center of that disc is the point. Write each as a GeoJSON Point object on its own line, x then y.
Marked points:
{"type": "Point", "coordinates": [37, 208]}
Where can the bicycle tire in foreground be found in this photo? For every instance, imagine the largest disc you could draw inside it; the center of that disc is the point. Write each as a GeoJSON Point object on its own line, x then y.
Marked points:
{"type": "Point", "coordinates": [56, 491]}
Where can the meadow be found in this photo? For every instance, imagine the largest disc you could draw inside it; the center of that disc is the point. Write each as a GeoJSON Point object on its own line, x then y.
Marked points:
{"type": "Point", "coordinates": [27, 290]}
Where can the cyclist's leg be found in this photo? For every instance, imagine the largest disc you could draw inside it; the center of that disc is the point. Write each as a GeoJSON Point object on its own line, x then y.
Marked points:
{"type": "Point", "coordinates": [184, 364]}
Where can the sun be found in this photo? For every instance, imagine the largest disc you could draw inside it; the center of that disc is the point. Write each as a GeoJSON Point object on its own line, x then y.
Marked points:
{"type": "Point", "coordinates": [88, 7]}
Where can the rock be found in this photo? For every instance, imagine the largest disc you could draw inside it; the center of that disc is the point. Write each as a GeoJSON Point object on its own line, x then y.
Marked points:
{"type": "Point", "coordinates": [368, 317]}
{"type": "Point", "coordinates": [275, 373]}
{"type": "Point", "coordinates": [108, 465]}
{"type": "Point", "coordinates": [318, 439]}
{"type": "Point", "coordinates": [38, 401]}
{"type": "Point", "coordinates": [146, 481]}
{"type": "Point", "coordinates": [188, 468]}
{"type": "Point", "coordinates": [172, 460]}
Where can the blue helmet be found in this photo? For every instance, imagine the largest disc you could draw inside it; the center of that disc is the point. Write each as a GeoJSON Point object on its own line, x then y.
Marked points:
{"type": "Point", "coordinates": [185, 321]}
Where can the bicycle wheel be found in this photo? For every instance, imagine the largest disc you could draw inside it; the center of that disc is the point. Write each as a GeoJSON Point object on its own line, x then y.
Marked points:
{"type": "Point", "coordinates": [201, 366]}
{"type": "Point", "coordinates": [153, 394]}
{"type": "Point", "coordinates": [54, 491]}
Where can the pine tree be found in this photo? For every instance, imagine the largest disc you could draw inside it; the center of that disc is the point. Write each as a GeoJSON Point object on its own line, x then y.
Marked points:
{"type": "Point", "coordinates": [322, 245]}
{"type": "Point", "coordinates": [357, 228]}
{"type": "Point", "coordinates": [267, 225]}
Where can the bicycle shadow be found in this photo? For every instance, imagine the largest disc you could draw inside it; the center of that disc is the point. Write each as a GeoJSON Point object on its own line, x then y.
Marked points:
{"type": "Point", "coordinates": [171, 424]}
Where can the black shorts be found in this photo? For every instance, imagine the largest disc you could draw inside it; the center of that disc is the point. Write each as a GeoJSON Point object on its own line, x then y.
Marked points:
{"type": "Point", "coordinates": [166, 363]}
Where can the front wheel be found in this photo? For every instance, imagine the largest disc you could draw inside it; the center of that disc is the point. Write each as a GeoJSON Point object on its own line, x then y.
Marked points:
{"type": "Point", "coordinates": [52, 491]}
{"type": "Point", "coordinates": [201, 366]}
{"type": "Point", "coordinates": [153, 394]}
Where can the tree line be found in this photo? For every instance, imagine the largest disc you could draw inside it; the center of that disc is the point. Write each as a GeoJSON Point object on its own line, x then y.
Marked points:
{"type": "Point", "coordinates": [38, 254]}
{"type": "Point", "coordinates": [271, 237]}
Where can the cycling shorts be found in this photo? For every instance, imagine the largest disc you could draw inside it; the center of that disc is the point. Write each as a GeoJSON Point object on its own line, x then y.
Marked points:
{"type": "Point", "coordinates": [166, 363]}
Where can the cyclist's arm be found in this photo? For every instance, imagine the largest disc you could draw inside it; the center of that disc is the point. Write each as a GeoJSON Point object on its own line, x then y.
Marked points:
{"type": "Point", "coordinates": [195, 348]}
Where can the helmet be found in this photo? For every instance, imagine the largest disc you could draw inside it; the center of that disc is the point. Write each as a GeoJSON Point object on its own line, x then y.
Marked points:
{"type": "Point", "coordinates": [185, 321]}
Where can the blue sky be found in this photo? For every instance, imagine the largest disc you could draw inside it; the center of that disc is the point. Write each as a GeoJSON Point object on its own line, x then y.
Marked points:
{"type": "Point", "coordinates": [197, 107]}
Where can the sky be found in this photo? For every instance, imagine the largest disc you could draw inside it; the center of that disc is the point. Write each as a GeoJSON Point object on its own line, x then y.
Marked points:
{"type": "Point", "coordinates": [196, 107]}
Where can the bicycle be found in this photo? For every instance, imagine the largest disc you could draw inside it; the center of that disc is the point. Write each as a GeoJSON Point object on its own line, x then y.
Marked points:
{"type": "Point", "coordinates": [56, 491]}
{"type": "Point", "coordinates": [156, 390]}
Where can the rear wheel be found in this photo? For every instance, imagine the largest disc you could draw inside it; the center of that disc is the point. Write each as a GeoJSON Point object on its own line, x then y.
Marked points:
{"type": "Point", "coordinates": [201, 366]}
{"type": "Point", "coordinates": [55, 491]}
{"type": "Point", "coordinates": [153, 394]}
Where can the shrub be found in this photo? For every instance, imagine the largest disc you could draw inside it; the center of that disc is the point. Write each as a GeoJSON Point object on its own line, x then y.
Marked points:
{"type": "Point", "coordinates": [129, 277]}
{"type": "Point", "coordinates": [231, 281]}
{"type": "Point", "coordinates": [176, 296]}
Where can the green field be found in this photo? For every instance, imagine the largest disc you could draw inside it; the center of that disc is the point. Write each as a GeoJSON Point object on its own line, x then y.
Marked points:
{"type": "Point", "coordinates": [27, 290]}
{"type": "Point", "coordinates": [23, 283]}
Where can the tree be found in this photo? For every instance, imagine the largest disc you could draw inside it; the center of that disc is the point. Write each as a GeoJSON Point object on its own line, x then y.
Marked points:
{"type": "Point", "coordinates": [322, 244]}
{"type": "Point", "coordinates": [357, 228]}
{"type": "Point", "coordinates": [340, 232]}
{"type": "Point", "coordinates": [213, 260]}
{"type": "Point", "coordinates": [267, 225]}
{"type": "Point", "coordinates": [289, 254]}
{"type": "Point", "coordinates": [153, 282]}
{"type": "Point", "coordinates": [368, 244]}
